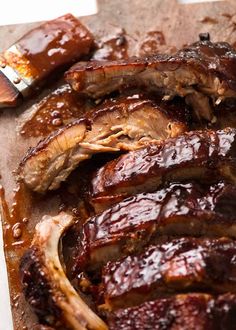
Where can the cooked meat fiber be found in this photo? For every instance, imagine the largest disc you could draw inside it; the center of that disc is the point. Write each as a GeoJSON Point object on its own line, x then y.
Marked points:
{"type": "Point", "coordinates": [125, 124]}
{"type": "Point", "coordinates": [178, 209]}
{"type": "Point", "coordinates": [199, 72]}
{"type": "Point", "coordinates": [181, 312]}
{"type": "Point", "coordinates": [185, 264]}
{"type": "Point", "coordinates": [202, 155]}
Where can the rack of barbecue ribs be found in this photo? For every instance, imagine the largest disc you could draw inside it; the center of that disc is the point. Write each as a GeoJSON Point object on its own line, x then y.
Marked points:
{"type": "Point", "coordinates": [156, 247]}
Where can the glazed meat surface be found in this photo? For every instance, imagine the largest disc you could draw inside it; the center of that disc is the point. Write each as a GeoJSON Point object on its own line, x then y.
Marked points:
{"type": "Point", "coordinates": [178, 209]}
{"type": "Point", "coordinates": [66, 36]}
{"type": "Point", "coordinates": [198, 72]}
{"type": "Point", "coordinates": [159, 251]}
{"type": "Point", "coordinates": [123, 124]}
{"type": "Point", "coordinates": [180, 312]}
{"type": "Point", "coordinates": [202, 155]}
{"type": "Point", "coordinates": [185, 264]}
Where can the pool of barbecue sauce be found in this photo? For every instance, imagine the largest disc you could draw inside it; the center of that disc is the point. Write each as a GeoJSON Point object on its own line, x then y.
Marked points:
{"type": "Point", "coordinates": [55, 110]}
{"type": "Point", "coordinates": [17, 237]}
{"type": "Point", "coordinates": [19, 229]}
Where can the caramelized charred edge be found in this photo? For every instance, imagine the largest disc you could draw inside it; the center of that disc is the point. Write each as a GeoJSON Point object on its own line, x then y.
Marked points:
{"type": "Point", "coordinates": [45, 285]}
{"type": "Point", "coordinates": [87, 121]}
{"type": "Point", "coordinates": [53, 159]}
{"type": "Point", "coordinates": [177, 209]}
{"type": "Point", "coordinates": [46, 141]}
{"type": "Point", "coordinates": [194, 55]}
{"type": "Point", "coordinates": [176, 265]}
{"type": "Point", "coordinates": [210, 154]}
{"type": "Point", "coordinates": [74, 40]}
{"type": "Point", "coordinates": [47, 148]}
{"type": "Point", "coordinates": [179, 112]}
{"type": "Point", "coordinates": [180, 312]}
{"type": "Point", "coordinates": [198, 72]}
{"type": "Point", "coordinates": [37, 288]}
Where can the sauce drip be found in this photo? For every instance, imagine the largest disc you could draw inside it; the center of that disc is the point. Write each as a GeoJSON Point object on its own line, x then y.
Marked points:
{"type": "Point", "coordinates": [15, 218]}
{"type": "Point", "coordinates": [17, 236]}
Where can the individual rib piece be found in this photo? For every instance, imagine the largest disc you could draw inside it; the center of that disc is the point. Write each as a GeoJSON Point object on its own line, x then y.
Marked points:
{"type": "Point", "coordinates": [178, 209]}
{"type": "Point", "coordinates": [179, 265]}
{"type": "Point", "coordinates": [32, 60]}
{"type": "Point", "coordinates": [202, 155]}
{"type": "Point", "coordinates": [45, 285]}
{"type": "Point", "coordinates": [198, 72]}
{"type": "Point", "coordinates": [124, 124]}
{"type": "Point", "coordinates": [180, 312]}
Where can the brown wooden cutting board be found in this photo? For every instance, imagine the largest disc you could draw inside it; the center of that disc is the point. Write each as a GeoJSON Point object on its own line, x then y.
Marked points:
{"type": "Point", "coordinates": [180, 24]}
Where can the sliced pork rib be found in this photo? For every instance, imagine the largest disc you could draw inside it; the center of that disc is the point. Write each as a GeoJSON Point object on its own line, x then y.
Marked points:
{"type": "Point", "coordinates": [178, 209]}
{"type": "Point", "coordinates": [45, 285]}
{"type": "Point", "coordinates": [125, 124]}
{"type": "Point", "coordinates": [203, 155]}
{"type": "Point", "coordinates": [198, 72]}
{"type": "Point", "coordinates": [179, 265]}
{"type": "Point", "coordinates": [180, 312]}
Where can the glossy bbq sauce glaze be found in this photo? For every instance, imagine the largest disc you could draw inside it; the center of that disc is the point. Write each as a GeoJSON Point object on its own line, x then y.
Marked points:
{"type": "Point", "coordinates": [54, 44]}
{"type": "Point", "coordinates": [55, 110]}
{"type": "Point", "coordinates": [19, 221]}
{"type": "Point", "coordinates": [62, 104]}
{"type": "Point", "coordinates": [50, 46]}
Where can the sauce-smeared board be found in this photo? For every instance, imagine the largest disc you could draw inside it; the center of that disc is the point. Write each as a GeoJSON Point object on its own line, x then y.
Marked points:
{"type": "Point", "coordinates": [174, 25]}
